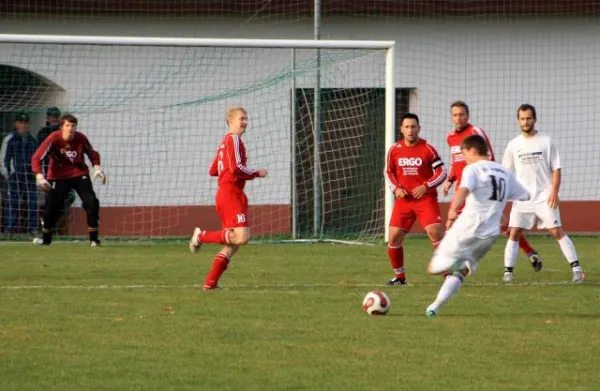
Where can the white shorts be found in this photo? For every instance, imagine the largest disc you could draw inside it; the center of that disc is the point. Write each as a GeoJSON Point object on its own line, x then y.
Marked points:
{"type": "Point", "coordinates": [456, 252]}
{"type": "Point", "coordinates": [525, 215]}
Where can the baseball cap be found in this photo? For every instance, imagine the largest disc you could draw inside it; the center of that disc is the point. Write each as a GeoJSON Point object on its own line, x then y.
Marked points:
{"type": "Point", "coordinates": [22, 117]}
{"type": "Point", "coordinates": [52, 112]}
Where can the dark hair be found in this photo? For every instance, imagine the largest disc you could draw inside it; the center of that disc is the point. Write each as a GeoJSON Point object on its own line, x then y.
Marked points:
{"type": "Point", "coordinates": [53, 112]}
{"type": "Point", "coordinates": [409, 116]}
{"type": "Point", "coordinates": [68, 118]}
{"type": "Point", "coordinates": [526, 107]}
{"type": "Point", "coordinates": [22, 116]}
{"type": "Point", "coordinates": [477, 142]}
{"type": "Point", "coordinates": [460, 103]}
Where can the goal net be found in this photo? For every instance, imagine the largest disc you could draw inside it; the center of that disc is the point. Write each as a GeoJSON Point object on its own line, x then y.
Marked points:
{"type": "Point", "coordinates": [156, 114]}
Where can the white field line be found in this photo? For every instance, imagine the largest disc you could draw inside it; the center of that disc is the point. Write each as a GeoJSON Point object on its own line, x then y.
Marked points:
{"type": "Point", "coordinates": [273, 286]}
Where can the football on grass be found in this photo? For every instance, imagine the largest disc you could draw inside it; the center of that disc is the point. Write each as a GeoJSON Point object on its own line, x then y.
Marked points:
{"type": "Point", "coordinates": [376, 303]}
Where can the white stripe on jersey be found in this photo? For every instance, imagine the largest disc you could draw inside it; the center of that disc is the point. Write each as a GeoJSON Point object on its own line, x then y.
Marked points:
{"type": "Point", "coordinates": [387, 175]}
{"type": "Point", "coordinates": [441, 178]}
{"type": "Point", "coordinates": [481, 133]}
{"type": "Point", "coordinates": [238, 157]}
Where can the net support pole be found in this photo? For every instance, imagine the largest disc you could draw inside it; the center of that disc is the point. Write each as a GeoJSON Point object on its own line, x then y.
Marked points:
{"type": "Point", "coordinates": [293, 149]}
{"type": "Point", "coordinates": [317, 178]}
{"type": "Point", "coordinates": [390, 131]}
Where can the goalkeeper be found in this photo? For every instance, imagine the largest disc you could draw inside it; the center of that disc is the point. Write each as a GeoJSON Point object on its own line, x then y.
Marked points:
{"type": "Point", "coordinates": [67, 170]}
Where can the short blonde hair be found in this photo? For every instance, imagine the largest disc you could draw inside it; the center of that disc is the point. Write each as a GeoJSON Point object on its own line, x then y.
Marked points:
{"type": "Point", "coordinates": [234, 109]}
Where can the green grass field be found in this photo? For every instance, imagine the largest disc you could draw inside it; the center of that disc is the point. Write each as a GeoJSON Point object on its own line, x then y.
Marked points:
{"type": "Point", "coordinates": [133, 317]}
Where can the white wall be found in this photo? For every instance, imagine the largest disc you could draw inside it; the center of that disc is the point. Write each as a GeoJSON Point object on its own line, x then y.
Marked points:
{"type": "Point", "coordinates": [158, 155]}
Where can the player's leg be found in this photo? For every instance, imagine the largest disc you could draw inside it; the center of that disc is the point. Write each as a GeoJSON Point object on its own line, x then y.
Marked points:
{"type": "Point", "coordinates": [228, 207]}
{"type": "Point", "coordinates": [55, 199]}
{"type": "Point", "coordinates": [549, 219]}
{"type": "Point", "coordinates": [520, 220]}
{"type": "Point", "coordinates": [220, 264]}
{"type": "Point", "coordinates": [448, 260]}
{"type": "Point", "coordinates": [12, 212]}
{"type": "Point", "coordinates": [235, 216]}
{"type": "Point", "coordinates": [428, 212]}
{"type": "Point", "coordinates": [400, 223]}
{"type": "Point", "coordinates": [429, 215]}
{"type": "Point", "coordinates": [91, 204]}
{"type": "Point", "coordinates": [448, 257]}
{"type": "Point", "coordinates": [532, 254]}
{"type": "Point", "coordinates": [452, 284]}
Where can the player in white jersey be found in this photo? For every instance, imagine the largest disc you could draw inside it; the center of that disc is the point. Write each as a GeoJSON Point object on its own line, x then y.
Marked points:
{"type": "Point", "coordinates": [485, 186]}
{"type": "Point", "coordinates": [535, 159]}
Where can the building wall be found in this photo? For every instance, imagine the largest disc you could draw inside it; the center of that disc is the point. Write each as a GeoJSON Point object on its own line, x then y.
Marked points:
{"type": "Point", "coordinates": [156, 114]}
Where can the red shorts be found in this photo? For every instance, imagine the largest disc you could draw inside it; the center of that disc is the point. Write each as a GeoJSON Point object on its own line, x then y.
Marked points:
{"type": "Point", "coordinates": [232, 207]}
{"type": "Point", "coordinates": [406, 212]}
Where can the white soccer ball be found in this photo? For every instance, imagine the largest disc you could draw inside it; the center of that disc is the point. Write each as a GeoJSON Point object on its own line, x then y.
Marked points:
{"type": "Point", "coordinates": [376, 303]}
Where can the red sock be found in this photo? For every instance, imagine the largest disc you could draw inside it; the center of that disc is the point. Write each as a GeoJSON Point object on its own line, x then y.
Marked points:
{"type": "Point", "coordinates": [218, 237]}
{"type": "Point", "coordinates": [525, 246]}
{"type": "Point", "coordinates": [396, 255]}
{"type": "Point", "coordinates": [219, 266]}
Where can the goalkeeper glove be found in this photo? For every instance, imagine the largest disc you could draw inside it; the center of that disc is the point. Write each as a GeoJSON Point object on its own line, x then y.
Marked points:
{"type": "Point", "coordinates": [42, 183]}
{"type": "Point", "coordinates": [98, 173]}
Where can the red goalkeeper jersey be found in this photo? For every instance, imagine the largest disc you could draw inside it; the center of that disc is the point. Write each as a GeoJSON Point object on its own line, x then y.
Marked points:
{"type": "Point", "coordinates": [230, 164]}
{"type": "Point", "coordinates": [454, 139]}
{"type": "Point", "coordinates": [409, 167]}
{"type": "Point", "coordinates": [66, 157]}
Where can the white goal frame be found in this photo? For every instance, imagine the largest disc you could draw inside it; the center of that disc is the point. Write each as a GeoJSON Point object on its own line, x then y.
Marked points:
{"type": "Point", "coordinates": [388, 46]}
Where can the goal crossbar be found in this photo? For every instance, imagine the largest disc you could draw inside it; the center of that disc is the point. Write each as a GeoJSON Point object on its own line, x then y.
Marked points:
{"type": "Point", "coordinates": [197, 42]}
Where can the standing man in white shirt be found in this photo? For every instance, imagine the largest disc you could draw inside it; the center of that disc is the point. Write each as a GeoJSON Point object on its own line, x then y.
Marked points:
{"type": "Point", "coordinates": [485, 188]}
{"type": "Point", "coordinates": [535, 159]}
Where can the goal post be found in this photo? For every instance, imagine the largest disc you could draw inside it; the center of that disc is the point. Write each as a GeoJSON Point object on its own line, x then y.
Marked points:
{"type": "Point", "coordinates": [130, 93]}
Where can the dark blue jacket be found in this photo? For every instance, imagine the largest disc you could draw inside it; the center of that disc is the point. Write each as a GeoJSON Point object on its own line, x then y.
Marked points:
{"type": "Point", "coordinates": [16, 153]}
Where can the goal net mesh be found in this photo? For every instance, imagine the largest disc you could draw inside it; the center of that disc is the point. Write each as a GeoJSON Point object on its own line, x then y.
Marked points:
{"type": "Point", "coordinates": [157, 117]}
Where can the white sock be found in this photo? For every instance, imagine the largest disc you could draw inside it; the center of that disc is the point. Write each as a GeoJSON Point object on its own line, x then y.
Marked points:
{"type": "Point", "coordinates": [510, 253]}
{"type": "Point", "coordinates": [449, 288]}
{"type": "Point", "coordinates": [568, 249]}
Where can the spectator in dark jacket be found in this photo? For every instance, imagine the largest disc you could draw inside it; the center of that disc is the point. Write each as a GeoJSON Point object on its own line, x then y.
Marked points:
{"type": "Point", "coordinates": [52, 124]}
{"type": "Point", "coordinates": [15, 166]}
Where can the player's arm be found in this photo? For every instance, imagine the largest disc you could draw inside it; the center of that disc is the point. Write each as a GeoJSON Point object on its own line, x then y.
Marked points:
{"type": "Point", "coordinates": [94, 157]}
{"type": "Point", "coordinates": [390, 176]}
{"type": "Point", "coordinates": [36, 163]}
{"type": "Point", "coordinates": [214, 167]}
{"type": "Point", "coordinates": [452, 174]}
{"type": "Point", "coordinates": [481, 133]}
{"type": "Point", "coordinates": [516, 191]}
{"type": "Point", "coordinates": [508, 160]}
{"type": "Point", "coordinates": [553, 199]}
{"type": "Point", "coordinates": [234, 154]}
{"type": "Point", "coordinates": [439, 174]}
{"type": "Point", "coordinates": [467, 184]}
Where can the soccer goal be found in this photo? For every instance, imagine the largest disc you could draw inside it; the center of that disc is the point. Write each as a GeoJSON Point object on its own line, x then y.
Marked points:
{"type": "Point", "coordinates": [321, 117]}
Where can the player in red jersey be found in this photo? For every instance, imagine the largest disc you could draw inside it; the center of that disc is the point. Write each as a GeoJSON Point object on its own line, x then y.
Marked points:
{"type": "Point", "coordinates": [460, 117]}
{"type": "Point", "coordinates": [67, 170]}
{"type": "Point", "coordinates": [414, 171]}
{"type": "Point", "coordinates": [232, 204]}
